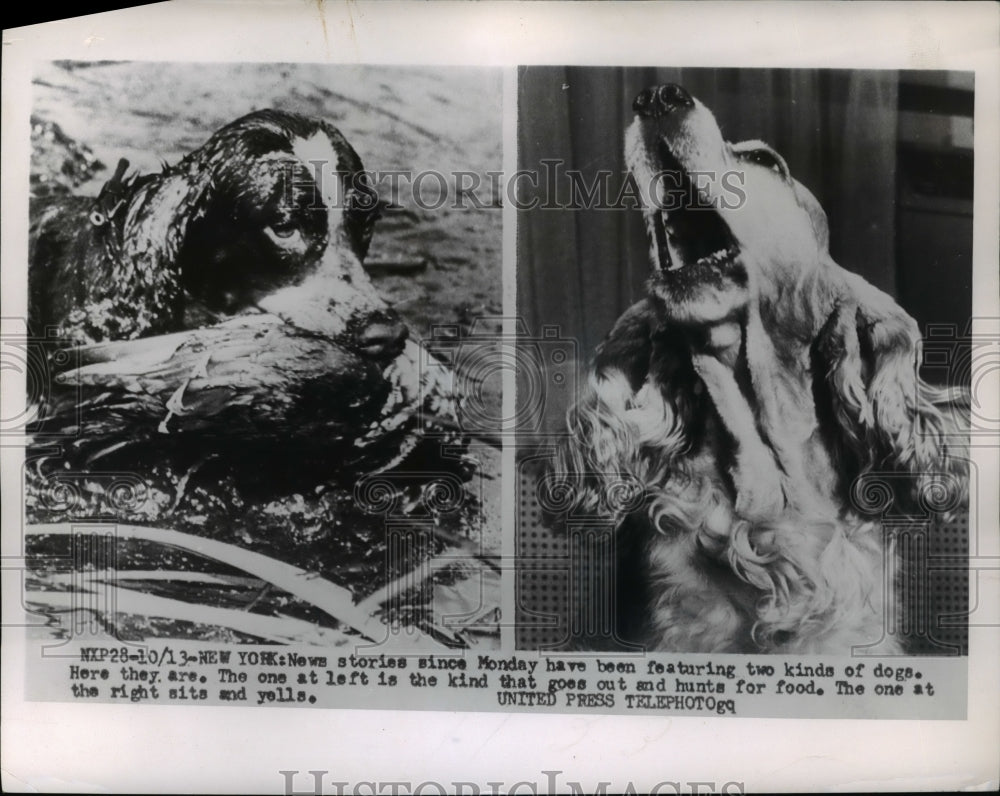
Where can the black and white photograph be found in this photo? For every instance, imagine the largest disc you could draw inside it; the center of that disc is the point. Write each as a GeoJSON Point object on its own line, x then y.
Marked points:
{"type": "Point", "coordinates": [770, 272]}
{"type": "Point", "coordinates": [244, 284]}
{"type": "Point", "coordinates": [500, 398]}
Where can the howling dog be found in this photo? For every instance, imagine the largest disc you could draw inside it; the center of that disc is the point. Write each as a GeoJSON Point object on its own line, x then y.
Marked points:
{"type": "Point", "coordinates": [744, 403]}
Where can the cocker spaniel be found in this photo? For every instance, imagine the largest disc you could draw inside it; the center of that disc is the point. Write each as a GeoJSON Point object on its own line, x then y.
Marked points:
{"type": "Point", "coordinates": [274, 211]}
{"type": "Point", "coordinates": [225, 298]}
{"type": "Point", "coordinates": [732, 415]}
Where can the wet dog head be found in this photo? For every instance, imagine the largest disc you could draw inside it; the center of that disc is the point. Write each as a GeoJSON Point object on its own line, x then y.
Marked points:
{"type": "Point", "coordinates": [284, 223]}
{"type": "Point", "coordinates": [726, 222]}
{"type": "Point", "coordinates": [273, 212]}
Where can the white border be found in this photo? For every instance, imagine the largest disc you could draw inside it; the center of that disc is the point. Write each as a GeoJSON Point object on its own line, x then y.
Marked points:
{"type": "Point", "coordinates": [89, 748]}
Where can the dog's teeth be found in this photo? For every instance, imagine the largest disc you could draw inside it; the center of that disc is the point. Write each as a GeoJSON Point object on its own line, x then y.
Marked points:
{"type": "Point", "coordinates": [716, 257]}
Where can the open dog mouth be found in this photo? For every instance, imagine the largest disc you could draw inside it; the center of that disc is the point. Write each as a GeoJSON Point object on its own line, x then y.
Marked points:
{"type": "Point", "coordinates": [687, 233]}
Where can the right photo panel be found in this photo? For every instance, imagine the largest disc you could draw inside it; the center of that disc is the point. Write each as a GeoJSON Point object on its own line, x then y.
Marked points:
{"type": "Point", "coordinates": [746, 295]}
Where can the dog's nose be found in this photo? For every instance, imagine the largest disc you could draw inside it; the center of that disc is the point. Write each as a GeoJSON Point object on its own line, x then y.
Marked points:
{"type": "Point", "coordinates": [661, 100]}
{"type": "Point", "coordinates": [383, 336]}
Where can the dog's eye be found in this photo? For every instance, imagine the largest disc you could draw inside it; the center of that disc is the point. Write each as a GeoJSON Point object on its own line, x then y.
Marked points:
{"type": "Point", "coordinates": [286, 235]}
{"type": "Point", "coordinates": [764, 158]}
{"type": "Point", "coordinates": [283, 229]}
{"type": "Point", "coordinates": [761, 154]}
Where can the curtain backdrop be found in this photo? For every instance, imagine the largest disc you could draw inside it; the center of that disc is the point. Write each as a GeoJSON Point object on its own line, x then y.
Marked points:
{"type": "Point", "coordinates": [579, 269]}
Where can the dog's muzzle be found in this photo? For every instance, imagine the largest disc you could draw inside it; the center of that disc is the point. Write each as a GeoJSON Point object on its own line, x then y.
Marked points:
{"type": "Point", "coordinates": [661, 100]}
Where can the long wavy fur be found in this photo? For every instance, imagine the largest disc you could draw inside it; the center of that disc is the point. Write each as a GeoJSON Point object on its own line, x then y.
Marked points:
{"type": "Point", "coordinates": [721, 583]}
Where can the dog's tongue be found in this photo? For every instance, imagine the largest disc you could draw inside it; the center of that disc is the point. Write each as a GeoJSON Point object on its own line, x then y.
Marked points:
{"type": "Point", "coordinates": [675, 256]}
{"type": "Point", "coordinates": [659, 251]}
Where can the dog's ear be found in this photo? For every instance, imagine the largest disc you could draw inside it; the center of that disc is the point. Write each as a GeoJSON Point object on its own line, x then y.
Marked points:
{"type": "Point", "coordinates": [598, 446]}
{"type": "Point", "coordinates": [159, 214]}
{"type": "Point", "coordinates": [622, 412]}
{"type": "Point", "coordinates": [889, 419]}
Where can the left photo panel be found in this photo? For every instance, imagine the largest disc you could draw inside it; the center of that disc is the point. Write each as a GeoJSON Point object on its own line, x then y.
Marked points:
{"type": "Point", "coordinates": [257, 294]}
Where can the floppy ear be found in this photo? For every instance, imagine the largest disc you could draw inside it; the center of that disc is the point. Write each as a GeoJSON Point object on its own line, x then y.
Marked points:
{"type": "Point", "coordinates": [158, 216]}
{"type": "Point", "coordinates": [628, 417]}
{"type": "Point", "coordinates": [888, 417]}
{"type": "Point", "coordinates": [598, 445]}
